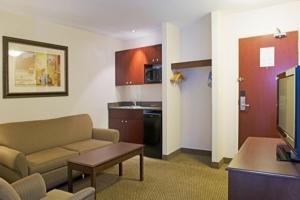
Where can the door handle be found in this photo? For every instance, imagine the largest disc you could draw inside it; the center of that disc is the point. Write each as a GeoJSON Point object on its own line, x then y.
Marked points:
{"type": "Point", "coordinates": [243, 104]}
{"type": "Point", "coordinates": [240, 79]}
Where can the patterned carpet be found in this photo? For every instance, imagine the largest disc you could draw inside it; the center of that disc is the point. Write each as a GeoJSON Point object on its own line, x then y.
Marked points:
{"type": "Point", "coordinates": [184, 177]}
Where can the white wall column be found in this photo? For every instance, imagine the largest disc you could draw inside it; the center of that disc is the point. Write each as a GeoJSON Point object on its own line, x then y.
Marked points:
{"type": "Point", "coordinates": [217, 123]}
{"type": "Point", "coordinates": [171, 96]}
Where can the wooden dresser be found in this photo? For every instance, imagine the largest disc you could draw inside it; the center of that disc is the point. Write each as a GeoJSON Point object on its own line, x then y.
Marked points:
{"type": "Point", "coordinates": [255, 173]}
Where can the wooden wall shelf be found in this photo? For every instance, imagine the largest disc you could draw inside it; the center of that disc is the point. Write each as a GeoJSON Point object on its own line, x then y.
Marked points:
{"type": "Point", "coordinates": [191, 64]}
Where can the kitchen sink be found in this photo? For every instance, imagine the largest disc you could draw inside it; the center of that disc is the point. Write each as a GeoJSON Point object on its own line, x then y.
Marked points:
{"type": "Point", "coordinates": [132, 107]}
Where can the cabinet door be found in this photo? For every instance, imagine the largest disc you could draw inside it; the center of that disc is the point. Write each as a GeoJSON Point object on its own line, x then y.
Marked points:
{"type": "Point", "coordinates": [153, 54]}
{"type": "Point", "coordinates": [130, 130]}
{"type": "Point", "coordinates": [116, 124]}
{"type": "Point", "coordinates": [130, 124]}
{"type": "Point", "coordinates": [135, 131]}
{"type": "Point", "coordinates": [122, 62]}
{"type": "Point", "coordinates": [119, 125]}
{"type": "Point", "coordinates": [136, 67]}
{"type": "Point", "coordinates": [158, 53]}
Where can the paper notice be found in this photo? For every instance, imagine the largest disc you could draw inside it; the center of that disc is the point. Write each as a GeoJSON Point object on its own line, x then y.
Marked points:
{"type": "Point", "coordinates": [267, 57]}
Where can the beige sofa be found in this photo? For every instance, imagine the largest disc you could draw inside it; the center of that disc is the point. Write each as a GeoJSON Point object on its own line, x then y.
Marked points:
{"type": "Point", "coordinates": [45, 146]}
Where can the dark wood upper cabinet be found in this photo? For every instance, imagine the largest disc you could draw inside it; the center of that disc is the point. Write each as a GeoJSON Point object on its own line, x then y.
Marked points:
{"type": "Point", "coordinates": [153, 54]}
{"type": "Point", "coordinates": [159, 53]}
{"type": "Point", "coordinates": [130, 64]}
{"type": "Point", "coordinates": [136, 67]}
{"type": "Point", "coordinates": [122, 63]}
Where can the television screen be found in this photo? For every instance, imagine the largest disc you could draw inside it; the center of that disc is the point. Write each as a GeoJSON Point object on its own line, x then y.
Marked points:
{"type": "Point", "coordinates": [286, 108]}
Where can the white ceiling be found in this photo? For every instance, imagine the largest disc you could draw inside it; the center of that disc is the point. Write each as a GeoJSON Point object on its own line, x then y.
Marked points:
{"type": "Point", "coordinates": [118, 17]}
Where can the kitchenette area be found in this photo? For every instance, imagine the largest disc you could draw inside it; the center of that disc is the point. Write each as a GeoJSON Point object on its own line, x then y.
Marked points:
{"type": "Point", "coordinates": [138, 116]}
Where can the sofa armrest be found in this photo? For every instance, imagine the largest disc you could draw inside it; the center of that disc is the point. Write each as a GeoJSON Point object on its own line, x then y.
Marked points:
{"type": "Point", "coordinates": [85, 194]}
{"type": "Point", "coordinates": [31, 187]}
{"type": "Point", "coordinates": [111, 135]}
{"type": "Point", "coordinates": [14, 160]}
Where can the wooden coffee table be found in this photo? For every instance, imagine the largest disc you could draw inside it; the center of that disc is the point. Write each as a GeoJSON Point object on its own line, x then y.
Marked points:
{"type": "Point", "coordinates": [98, 160]}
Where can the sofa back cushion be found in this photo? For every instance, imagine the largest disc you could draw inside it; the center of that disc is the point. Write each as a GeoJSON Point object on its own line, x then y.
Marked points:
{"type": "Point", "coordinates": [33, 136]}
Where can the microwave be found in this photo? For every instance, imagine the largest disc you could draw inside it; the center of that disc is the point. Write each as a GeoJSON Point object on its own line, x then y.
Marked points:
{"type": "Point", "coordinates": [153, 73]}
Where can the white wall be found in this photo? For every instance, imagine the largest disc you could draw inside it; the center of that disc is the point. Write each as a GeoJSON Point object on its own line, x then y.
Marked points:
{"type": "Point", "coordinates": [171, 93]}
{"type": "Point", "coordinates": [91, 68]}
{"type": "Point", "coordinates": [150, 92]}
{"type": "Point", "coordinates": [196, 100]}
{"type": "Point", "coordinates": [196, 109]}
{"type": "Point", "coordinates": [155, 38]}
{"type": "Point", "coordinates": [196, 40]}
{"type": "Point", "coordinates": [227, 29]}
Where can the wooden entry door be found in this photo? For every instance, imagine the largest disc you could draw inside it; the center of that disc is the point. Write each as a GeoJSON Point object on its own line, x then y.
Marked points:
{"type": "Point", "coordinates": [259, 85]}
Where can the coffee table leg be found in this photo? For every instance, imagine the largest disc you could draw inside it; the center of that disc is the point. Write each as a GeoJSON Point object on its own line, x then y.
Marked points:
{"type": "Point", "coordinates": [93, 178]}
{"type": "Point", "coordinates": [120, 169]}
{"type": "Point", "coordinates": [70, 180]}
{"type": "Point", "coordinates": [93, 181]}
{"type": "Point", "coordinates": [142, 166]}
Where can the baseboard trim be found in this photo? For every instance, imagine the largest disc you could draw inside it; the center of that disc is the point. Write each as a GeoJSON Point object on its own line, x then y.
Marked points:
{"type": "Point", "coordinates": [171, 155]}
{"type": "Point", "coordinates": [196, 151]}
{"type": "Point", "coordinates": [187, 150]}
{"type": "Point", "coordinates": [218, 165]}
{"type": "Point", "coordinates": [227, 160]}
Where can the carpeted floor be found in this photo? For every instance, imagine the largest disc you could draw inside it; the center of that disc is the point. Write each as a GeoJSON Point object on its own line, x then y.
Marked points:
{"type": "Point", "coordinates": [184, 177]}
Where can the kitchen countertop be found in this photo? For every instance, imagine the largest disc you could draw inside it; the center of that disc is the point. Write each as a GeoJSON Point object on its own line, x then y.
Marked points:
{"type": "Point", "coordinates": [136, 106]}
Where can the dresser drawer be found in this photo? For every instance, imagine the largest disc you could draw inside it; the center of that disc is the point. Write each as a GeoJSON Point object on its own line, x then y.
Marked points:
{"type": "Point", "coordinates": [125, 114]}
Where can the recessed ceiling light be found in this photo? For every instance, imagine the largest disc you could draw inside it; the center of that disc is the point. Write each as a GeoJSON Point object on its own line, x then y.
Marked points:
{"type": "Point", "coordinates": [133, 31]}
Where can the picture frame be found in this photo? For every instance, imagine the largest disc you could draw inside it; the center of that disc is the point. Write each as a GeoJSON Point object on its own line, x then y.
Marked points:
{"type": "Point", "coordinates": [34, 69]}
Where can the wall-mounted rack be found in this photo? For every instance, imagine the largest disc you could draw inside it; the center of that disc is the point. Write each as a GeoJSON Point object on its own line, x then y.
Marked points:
{"type": "Point", "coordinates": [191, 64]}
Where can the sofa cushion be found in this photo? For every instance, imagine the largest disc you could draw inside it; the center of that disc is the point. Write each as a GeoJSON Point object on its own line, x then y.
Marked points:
{"type": "Point", "coordinates": [50, 159]}
{"type": "Point", "coordinates": [33, 136]}
{"type": "Point", "coordinates": [86, 145]}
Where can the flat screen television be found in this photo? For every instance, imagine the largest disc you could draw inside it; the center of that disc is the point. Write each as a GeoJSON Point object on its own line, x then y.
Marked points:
{"type": "Point", "coordinates": [288, 114]}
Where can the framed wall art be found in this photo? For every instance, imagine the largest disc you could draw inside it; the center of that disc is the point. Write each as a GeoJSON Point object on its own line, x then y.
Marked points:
{"type": "Point", "coordinates": [34, 69]}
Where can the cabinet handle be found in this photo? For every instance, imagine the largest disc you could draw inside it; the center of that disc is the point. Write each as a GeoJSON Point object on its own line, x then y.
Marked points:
{"type": "Point", "coordinates": [156, 59]}
{"type": "Point", "coordinates": [122, 121]}
{"type": "Point", "coordinates": [153, 60]}
{"type": "Point", "coordinates": [130, 82]}
{"type": "Point", "coordinates": [125, 121]}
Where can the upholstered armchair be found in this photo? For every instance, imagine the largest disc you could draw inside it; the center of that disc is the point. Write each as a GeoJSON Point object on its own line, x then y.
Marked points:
{"type": "Point", "coordinates": [33, 188]}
